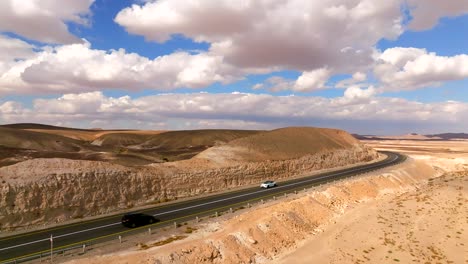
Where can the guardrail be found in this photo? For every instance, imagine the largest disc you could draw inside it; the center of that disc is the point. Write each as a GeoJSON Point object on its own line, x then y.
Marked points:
{"type": "Point", "coordinates": [80, 248]}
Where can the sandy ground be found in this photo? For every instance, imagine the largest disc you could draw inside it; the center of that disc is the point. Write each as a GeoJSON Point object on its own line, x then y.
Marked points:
{"type": "Point", "coordinates": [426, 225]}
{"type": "Point", "coordinates": [429, 225]}
{"type": "Point", "coordinates": [444, 155]}
{"type": "Point", "coordinates": [405, 214]}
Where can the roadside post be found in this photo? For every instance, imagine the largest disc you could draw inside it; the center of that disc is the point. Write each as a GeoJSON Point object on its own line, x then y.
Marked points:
{"type": "Point", "coordinates": [51, 247]}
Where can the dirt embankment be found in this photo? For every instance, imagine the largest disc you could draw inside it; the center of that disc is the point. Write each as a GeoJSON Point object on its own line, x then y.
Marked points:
{"type": "Point", "coordinates": [425, 225]}
{"type": "Point", "coordinates": [54, 190]}
{"type": "Point", "coordinates": [272, 230]}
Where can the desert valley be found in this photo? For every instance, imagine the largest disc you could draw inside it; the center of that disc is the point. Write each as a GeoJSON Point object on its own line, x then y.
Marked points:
{"type": "Point", "coordinates": [223, 131]}
{"type": "Point", "coordinates": [59, 175]}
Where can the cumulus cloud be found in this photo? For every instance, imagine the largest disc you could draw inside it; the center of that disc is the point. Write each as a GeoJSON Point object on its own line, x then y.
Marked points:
{"type": "Point", "coordinates": [312, 80]}
{"type": "Point", "coordinates": [77, 68]}
{"type": "Point", "coordinates": [356, 78]}
{"type": "Point", "coordinates": [426, 13]}
{"type": "Point", "coordinates": [306, 82]}
{"type": "Point", "coordinates": [297, 34]}
{"type": "Point", "coordinates": [411, 68]}
{"type": "Point", "coordinates": [11, 49]}
{"type": "Point", "coordinates": [316, 38]}
{"type": "Point", "coordinates": [358, 110]}
{"type": "Point", "coordinates": [354, 95]}
{"type": "Point", "coordinates": [43, 20]}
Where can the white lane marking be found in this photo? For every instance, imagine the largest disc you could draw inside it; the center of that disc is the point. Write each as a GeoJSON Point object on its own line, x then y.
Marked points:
{"type": "Point", "coordinates": [59, 236]}
{"type": "Point", "coordinates": [279, 187]}
{"type": "Point", "coordinates": [25, 244]}
{"type": "Point", "coordinates": [198, 205]}
{"type": "Point", "coordinates": [81, 231]}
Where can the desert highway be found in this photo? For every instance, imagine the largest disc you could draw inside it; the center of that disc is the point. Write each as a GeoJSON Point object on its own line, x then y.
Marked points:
{"type": "Point", "coordinates": [29, 245]}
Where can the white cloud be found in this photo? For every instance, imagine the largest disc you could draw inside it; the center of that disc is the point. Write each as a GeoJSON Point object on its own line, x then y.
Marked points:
{"type": "Point", "coordinates": [84, 103]}
{"type": "Point", "coordinates": [359, 77]}
{"type": "Point", "coordinates": [43, 20]}
{"type": "Point", "coordinates": [355, 79]}
{"type": "Point", "coordinates": [297, 34]}
{"type": "Point", "coordinates": [11, 49]}
{"type": "Point", "coordinates": [426, 13]}
{"type": "Point", "coordinates": [258, 86]}
{"type": "Point", "coordinates": [306, 82]}
{"type": "Point", "coordinates": [277, 84]}
{"type": "Point", "coordinates": [307, 36]}
{"type": "Point", "coordinates": [355, 95]}
{"type": "Point", "coordinates": [312, 80]}
{"type": "Point", "coordinates": [78, 68]}
{"type": "Point", "coordinates": [317, 38]}
{"type": "Point", "coordinates": [358, 110]}
{"type": "Point", "coordinates": [410, 68]}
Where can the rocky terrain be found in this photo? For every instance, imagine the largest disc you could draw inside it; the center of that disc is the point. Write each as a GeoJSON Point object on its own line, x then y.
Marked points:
{"type": "Point", "coordinates": [413, 212]}
{"type": "Point", "coordinates": [47, 190]}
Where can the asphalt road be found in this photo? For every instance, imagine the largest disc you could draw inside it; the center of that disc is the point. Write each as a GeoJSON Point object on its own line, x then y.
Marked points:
{"type": "Point", "coordinates": [29, 245]}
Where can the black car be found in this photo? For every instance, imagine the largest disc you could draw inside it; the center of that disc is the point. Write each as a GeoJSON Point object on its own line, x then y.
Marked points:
{"type": "Point", "coordinates": [138, 219]}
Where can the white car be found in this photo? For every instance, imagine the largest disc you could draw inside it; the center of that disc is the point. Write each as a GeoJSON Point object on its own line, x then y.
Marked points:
{"type": "Point", "coordinates": [268, 184]}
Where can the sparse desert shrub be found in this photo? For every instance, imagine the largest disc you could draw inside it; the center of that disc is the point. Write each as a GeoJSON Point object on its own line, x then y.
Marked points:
{"type": "Point", "coordinates": [142, 246]}
{"type": "Point", "coordinates": [167, 241]}
{"type": "Point", "coordinates": [189, 230]}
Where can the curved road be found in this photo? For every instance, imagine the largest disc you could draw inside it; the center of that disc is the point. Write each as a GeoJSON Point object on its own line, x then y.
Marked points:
{"type": "Point", "coordinates": [29, 245]}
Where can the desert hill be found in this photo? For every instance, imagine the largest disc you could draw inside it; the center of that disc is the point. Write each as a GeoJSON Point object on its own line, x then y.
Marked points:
{"type": "Point", "coordinates": [17, 145]}
{"type": "Point", "coordinates": [449, 136]}
{"type": "Point", "coordinates": [20, 142]}
{"type": "Point", "coordinates": [42, 126]}
{"type": "Point", "coordinates": [24, 139]}
{"type": "Point", "coordinates": [121, 139]}
{"type": "Point", "coordinates": [78, 133]}
{"type": "Point", "coordinates": [416, 136]}
{"type": "Point", "coordinates": [282, 144]}
{"type": "Point", "coordinates": [93, 181]}
{"type": "Point", "coordinates": [197, 138]}
{"type": "Point", "coordinates": [173, 139]}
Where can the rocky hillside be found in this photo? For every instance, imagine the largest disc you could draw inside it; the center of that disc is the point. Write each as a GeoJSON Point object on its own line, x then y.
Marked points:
{"type": "Point", "coordinates": [44, 190]}
{"type": "Point", "coordinates": [266, 232]}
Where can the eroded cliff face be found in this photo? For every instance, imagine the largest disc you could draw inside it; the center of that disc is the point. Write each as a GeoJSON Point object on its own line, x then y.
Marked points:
{"type": "Point", "coordinates": [45, 191]}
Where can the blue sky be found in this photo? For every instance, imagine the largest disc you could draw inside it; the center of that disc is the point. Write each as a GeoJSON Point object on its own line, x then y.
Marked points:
{"type": "Point", "coordinates": [344, 64]}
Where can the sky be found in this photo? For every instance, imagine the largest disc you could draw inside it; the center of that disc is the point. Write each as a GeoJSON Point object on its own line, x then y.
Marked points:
{"type": "Point", "coordinates": [370, 67]}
